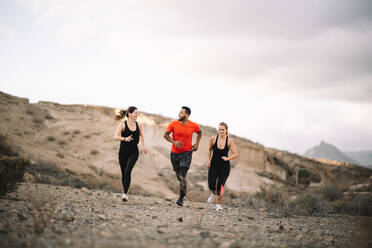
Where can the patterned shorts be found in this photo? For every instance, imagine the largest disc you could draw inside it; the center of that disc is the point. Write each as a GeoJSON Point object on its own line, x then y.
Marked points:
{"type": "Point", "coordinates": [182, 159]}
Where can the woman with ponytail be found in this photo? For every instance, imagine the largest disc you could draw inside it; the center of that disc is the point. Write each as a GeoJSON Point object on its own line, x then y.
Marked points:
{"type": "Point", "coordinates": [219, 164]}
{"type": "Point", "coordinates": [129, 133]}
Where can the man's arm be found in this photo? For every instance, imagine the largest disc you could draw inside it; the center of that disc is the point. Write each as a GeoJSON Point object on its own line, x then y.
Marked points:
{"type": "Point", "coordinates": [196, 145]}
{"type": "Point", "coordinates": [178, 144]}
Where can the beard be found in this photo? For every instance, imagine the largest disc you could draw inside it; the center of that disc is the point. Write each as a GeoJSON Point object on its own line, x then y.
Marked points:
{"type": "Point", "coordinates": [181, 118]}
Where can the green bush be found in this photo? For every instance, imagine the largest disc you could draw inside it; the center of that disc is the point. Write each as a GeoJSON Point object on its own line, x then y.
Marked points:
{"type": "Point", "coordinates": [12, 170]}
{"type": "Point", "coordinates": [304, 173]}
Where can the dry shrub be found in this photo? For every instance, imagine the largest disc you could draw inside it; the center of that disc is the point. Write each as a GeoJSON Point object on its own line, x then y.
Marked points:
{"type": "Point", "coordinates": [12, 170]}
{"type": "Point", "coordinates": [76, 131]}
{"type": "Point", "coordinates": [360, 204]}
{"type": "Point", "coordinates": [309, 204]}
{"type": "Point", "coordinates": [5, 147]}
{"type": "Point", "coordinates": [29, 112]}
{"type": "Point", "coordinates": [331, 192]}
{"type": "Point", "coordinates": [272, 194]}
{"type": "Point", "coordinates": [60, 155]}
{"type": "Point", "coordinates": [51, 138]}
{"type": "Point", "coordinates": [66, 133]}
{"type": "Point", "coordinates": [48, 117]}
{"type": "Point", "coordinates": [87, 136]}
{"type": "Point", "coordinates": [62, 142]}
{"type": "Point", "coordinates": [94, 152]}
{"type": "Point", "coordinates": [47, 172]}
{"type": "Point", "coordinates": [37, 120]}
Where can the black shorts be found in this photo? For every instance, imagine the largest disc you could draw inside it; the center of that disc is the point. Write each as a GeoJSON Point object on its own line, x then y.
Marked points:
{"type": "Point", "coordinates": [182, 159]}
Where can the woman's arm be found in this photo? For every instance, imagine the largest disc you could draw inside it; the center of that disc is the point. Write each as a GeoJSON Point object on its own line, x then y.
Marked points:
{"type": "Point", "coordinates": [211, 142]}
{"type": "Point", "coordinates": [142, 139]}
{"type": "Point", "coordinates": [119, 129]}
{"type": "Point", "coordinates": [117, 134]}
{"type": "Point", "coordinates": [234, 153]}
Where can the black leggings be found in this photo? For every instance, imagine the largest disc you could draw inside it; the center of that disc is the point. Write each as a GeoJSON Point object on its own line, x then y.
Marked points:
{"type": "Point", "coordinates": [218, 175]}
{"type": "Point", "coordinates": [127, 161]}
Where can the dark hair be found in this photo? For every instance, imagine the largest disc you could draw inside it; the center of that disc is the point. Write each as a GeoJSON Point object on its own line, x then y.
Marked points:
{"type": "Point", "coordinates": [187, 109]}
{"type": "Point", "coordinates": [122, 113]}
{"type": "Point", "coordinates": [225, 125]}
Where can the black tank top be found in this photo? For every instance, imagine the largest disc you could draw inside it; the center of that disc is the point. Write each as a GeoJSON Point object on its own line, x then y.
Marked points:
{"type": "Point", "coordinates": [219, 153]}
{"type": "Point", "coordinates": [131, 145]}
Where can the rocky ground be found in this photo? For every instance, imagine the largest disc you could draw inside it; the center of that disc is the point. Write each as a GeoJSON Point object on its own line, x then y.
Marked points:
{"type": "Point", "coordinates": [40, 215]}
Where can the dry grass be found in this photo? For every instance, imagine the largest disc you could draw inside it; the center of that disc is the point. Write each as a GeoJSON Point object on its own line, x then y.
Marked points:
{"type": "Point", "coordinates": [94, 152]}
{"type": "Point", "coordinates": [60, 155]}
{"type": "Point", "coordinates": [76, 131]}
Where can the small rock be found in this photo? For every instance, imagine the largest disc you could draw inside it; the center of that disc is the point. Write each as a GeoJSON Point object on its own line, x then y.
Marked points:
{"type": "Point", "coordinates": [281, 228]}
{"type": "Point", "coordinates": [102, 217]}
{"type": "Point", "coordinates": [13, 212]}
{"type": "Point", "coordinates": [21, 217]}
{"type": "Point", "coordinates": [180, 219]}
{"type": "Point", "coordinates": [69, 218]}
{"type": "Point", "coordinates": [167, 199]}
{"type": "Point", "coordinates": [106, 234]}
{"type": "Point", "coordinates": [29, 178]}
{"type": "Point", "coordinates": [204, 234]}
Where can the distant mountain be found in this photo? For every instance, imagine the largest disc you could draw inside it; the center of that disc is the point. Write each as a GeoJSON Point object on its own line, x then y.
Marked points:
{"type": "Point", "coordinates": [363, 157]}
{"type": "Point", "coordinates": [329, 151]}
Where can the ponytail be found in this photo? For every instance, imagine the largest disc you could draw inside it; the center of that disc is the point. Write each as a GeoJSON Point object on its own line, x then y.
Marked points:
{"type": "Point", "coordinates": [119, 114]}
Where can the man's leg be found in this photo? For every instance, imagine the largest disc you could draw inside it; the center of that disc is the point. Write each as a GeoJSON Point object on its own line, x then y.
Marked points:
{"type": "Point", "coordinates": [184, 165]}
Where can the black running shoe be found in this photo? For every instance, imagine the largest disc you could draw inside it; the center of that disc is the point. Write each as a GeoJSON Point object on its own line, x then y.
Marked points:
{"type": "Point", "coordinates": [180, 202]}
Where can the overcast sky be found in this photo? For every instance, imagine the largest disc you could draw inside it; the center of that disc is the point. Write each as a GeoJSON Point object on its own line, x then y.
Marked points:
{"type": "Point", "coordinates": [286, 74]}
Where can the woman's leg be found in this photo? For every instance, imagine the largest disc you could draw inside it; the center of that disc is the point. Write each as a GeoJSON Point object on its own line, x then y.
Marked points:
{"type": "Point", "coordinates": [212, 178]}
{"type": "Point", "coordinates": [123, 159]}
{"type": "Point", "coordinates": [132, 159]}
{"type": "Point", "coordinates": [223, 174]}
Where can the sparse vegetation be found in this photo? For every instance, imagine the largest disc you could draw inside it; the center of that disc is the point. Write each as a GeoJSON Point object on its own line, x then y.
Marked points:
{"type": "Point", "coordinates": [62, 142]}
{"type": "Point", "coordinates": [29, 112]}
{"type": "Point", "coordinates": [321, 202]}
{"type": "Point", "coordinates": [47, 172]}
{"type": "Point", "coordinates": [48, 117]}
{"type": "Point", "coordinates": [51, 138]}
{"type": "Point", "coordinates": [60, 155]}
{"type": "Point", "coordinates": [331, 192]}
{"type": "Point", "coordinates": [94, 152]}
{"type": "Point", "coordinates": [66, 133]}
{"type": "Point", "coordinates": [37, 120]}
{"type": "Point", "coordinates": [5, 148]}
{"type": "Point", "coordinates": [87, 136]}
{"type": "Point", "coordinates": [76, 131]}
{"type": "Point", "coordinates": [12, 170]}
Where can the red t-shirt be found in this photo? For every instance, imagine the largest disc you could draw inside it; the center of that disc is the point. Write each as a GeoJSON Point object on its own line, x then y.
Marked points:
{"type": "Point", "coordinates": [183, 133]}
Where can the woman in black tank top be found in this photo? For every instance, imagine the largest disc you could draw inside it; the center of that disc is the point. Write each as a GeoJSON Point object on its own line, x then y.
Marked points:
{"type": "Point", "coordinates": [129, 133]}
{"type": "Point", "coordinates": [219, 164]}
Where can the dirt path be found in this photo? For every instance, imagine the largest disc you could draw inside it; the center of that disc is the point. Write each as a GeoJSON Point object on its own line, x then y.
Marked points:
{"type": "Point", "coordinates": [39, 215]}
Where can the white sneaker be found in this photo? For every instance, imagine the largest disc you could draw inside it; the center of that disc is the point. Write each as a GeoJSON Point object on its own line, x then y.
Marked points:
{"type": "Point", "coordinates": [124, 197]}
{"type": "Point", "coordinates": [218, 207]}
{"type": "Point", "coordinates": [211, 198]}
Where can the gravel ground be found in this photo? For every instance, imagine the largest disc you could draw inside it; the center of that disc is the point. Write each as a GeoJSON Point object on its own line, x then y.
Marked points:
{"type": "Point", "coordinates": [40, 215]}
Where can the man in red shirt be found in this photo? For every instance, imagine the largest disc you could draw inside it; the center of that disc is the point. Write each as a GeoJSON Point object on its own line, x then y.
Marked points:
{"type": "Point", "coordinates": [182, 148]}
